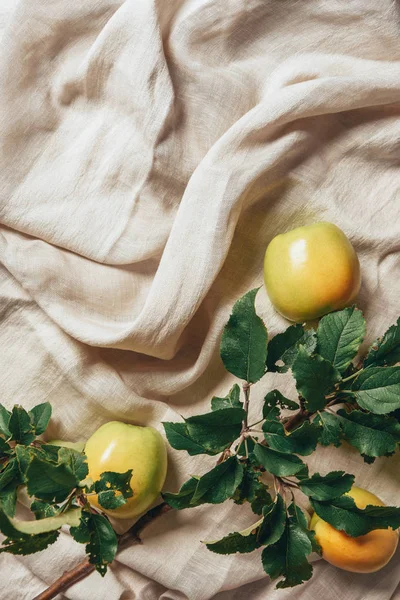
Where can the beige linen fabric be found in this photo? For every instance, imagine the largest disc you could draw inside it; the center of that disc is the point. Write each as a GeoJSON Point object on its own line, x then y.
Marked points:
{"type": "Point", "coordinates": [150, 151]}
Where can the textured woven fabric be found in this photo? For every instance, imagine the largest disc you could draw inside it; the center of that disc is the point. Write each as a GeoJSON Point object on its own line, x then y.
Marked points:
{"type": "Point", "coordinates": [150, 151]}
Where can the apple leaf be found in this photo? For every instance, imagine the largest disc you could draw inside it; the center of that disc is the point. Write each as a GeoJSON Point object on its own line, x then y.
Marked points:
{"type": "Point", "coordinates": [4, 448]}
{"type": "Point", "coordinates": [326, 487]}
{"type": "Point", "coordinates": [265, 531]}
{"type": "Point", "coordinates": [232, 400]}
{"type": "Point", "coordinates": [252, 490]}
{"type": "Point", "coordinates": [273, 522]}
{"type": "Point", "coordinates": [287, 558]}
{"type": "Point", "coordinates": [279, 463]}
{"type": "Point", "coordinates": [30, 544]}
{"type": "Point", "coordinates": [220, 483]}
{"type": "Point", "coordinates": [214, 431]}
{"type": "Point", "coordinates": [377, 389]}
{"type": "Point", "coordinates": [285, 346]}
{"type": "Point", "coordinates": [75, 461]}
{"type": "Point", "coordinates": [385, 351]}
{"type": "Point", "coordinates": [28, 537]}
{"type": "Point", "coordinates": [302, 440]}
{"type": "Point", "coordinates": [5, 416]}
{"type": "Point", "coordinates": [48, 481]}
{"type": "Point", "coordinates": [82, 532]}
{"type": "Point", "coordinates": [42, 510]}
{"type": "Point", "coordinates": [179, 438]}
{"type": "Point", "coordinates": [69, 517]}
{"type": "Point", "coordinates": [244, 341]}
{"type": "Point", "coordinates": [113, 489]}
{"type": "Point", "coordinates": [20, 426]}
{"type": "Point", "coordinates": [103, 544]}
{"type": "Point", "coordinates": [275, 398]}
{"type": "Point", "coordinates": [9, 473]}
{"type": "Point", "coordinates": [184, 498]}
{"type": "Point", "coordinates": [262, 499]}
{"type": "Point", "coordinates": [331, 432]}
{"type": "Point", "coordinates": [8, 498]}
{"type": "Point", "coordinates": [315, 378]}
{"type": "Point", "coordinates": [343, 514]}
{"type": "Point", "coordinates": [40, 417]}
{"type": "Point", "coordinates": [240, 541]}
{"type": "Point", "coordinates": [339, 336]}
{"type": "Point", "coordinates": [372, 435]}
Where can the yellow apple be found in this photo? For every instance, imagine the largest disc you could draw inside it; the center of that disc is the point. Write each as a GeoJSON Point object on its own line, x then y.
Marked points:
{"type": "Point", "coordinates": [118, 447]}
{"type": "Point", "coordinates": [364, 554]}
{"type": "Point", "coordinates": [311, 271]}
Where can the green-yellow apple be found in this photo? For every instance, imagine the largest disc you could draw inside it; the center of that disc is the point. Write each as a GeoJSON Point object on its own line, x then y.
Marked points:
{"type": "Point", "coordinates": [311, 271]}
{"type": "Point", "coordinates": [364, 554]}
{"type": "Point", "coordinates": [118, 447]}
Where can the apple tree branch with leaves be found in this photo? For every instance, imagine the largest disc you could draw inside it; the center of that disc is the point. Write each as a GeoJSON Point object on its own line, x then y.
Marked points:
{"type": "Point", "coordinates": [337, 400]}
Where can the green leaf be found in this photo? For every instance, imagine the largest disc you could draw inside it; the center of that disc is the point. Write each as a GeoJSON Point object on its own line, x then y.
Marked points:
{"type": "Point", "coordinates": [244, 341]}
{"type": "Point", "coordinates": [275, 398]}
{"type": "Point", "coordinates": [75, 461]}
{"type": "Point", "coordinates": [331, 432]}
{"type": "Point", "coordinates": [386, 351]}
{"type": "Point", "coordinates": [220, 483]}
{"type": "Point", "coordinates": [326, 487]}
{"type": "Point", "coordinates": [273, 523]}
{"type": "Point", "coordinates": [214, 431]}
{"type": "Point", "coordinates": [288, 557]}
{"type": "Point", "coordinates": [232, 400]}
{"type": "Point", "coordinates": [69, 517]}
{"type": "Point", "coordinates": [279, 463]}
{"type": "Point", "coordinates": [4, 421]}
{"type": "Point", "coordinates": [40, 417]}
{"type": "Point", "coordinates": [81, 534]}
{"type": "Point", "coordinates": [315, 378]}
{"type": "Point", "coordinates": [378, 389]}
{"type": "Point", "coordinates": [239, 541]}
{"type": "Point", "coordinates": [302, 440]}
{"type": "Point", "coordinates": [113, 489]}
{"type": "Point", "coordinates": [252, 490]}
{"type": "Point", "coordinates": [9, 474]}
{"type": "Point", "coordinates": [20, 426]}
{"type": "Point", "coordinates": [179, 438]}
{"type": "Point", "coordinates": [261, 500]}
{"type": "Point", "coordinates": [103, 543]}
{"type": "Point", "coordinates": [372, 435]}
{"type": "Point", "coordinates": [4, 447]}
{"type": "Point", "coordinates": [184, 498]}
{"type": "Point", "coordinates": [339, 336]}
{"type": "Point", "coordinates": [42, 510]}
{"type": "Point", "coordinates": [285, 346]}
{"type": "Point", "coordinates": [297, 513]}
{"type": "Point", "coordinates": [30, 544]}
{"type": "Point", "coordinates": [47, 481]}
{"type": "Point", "coordinates": [8, 498]}
{"type": "Point", "coordinates": [343, 514]}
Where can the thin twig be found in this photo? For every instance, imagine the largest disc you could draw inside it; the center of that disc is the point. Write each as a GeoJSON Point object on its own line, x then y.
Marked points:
{"type": "Point", "coordinates": [85, 567]}
{"type": "Point", "coordinates": [246, 391]}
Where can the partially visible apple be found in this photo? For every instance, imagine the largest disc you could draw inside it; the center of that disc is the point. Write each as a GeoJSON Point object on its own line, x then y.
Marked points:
{"type": "Point", "coordinates": [118, 447]}
{"type": "Point", "coordinates": [311, 271]}
{"type": "Point", "coordinates": [364, 554]}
